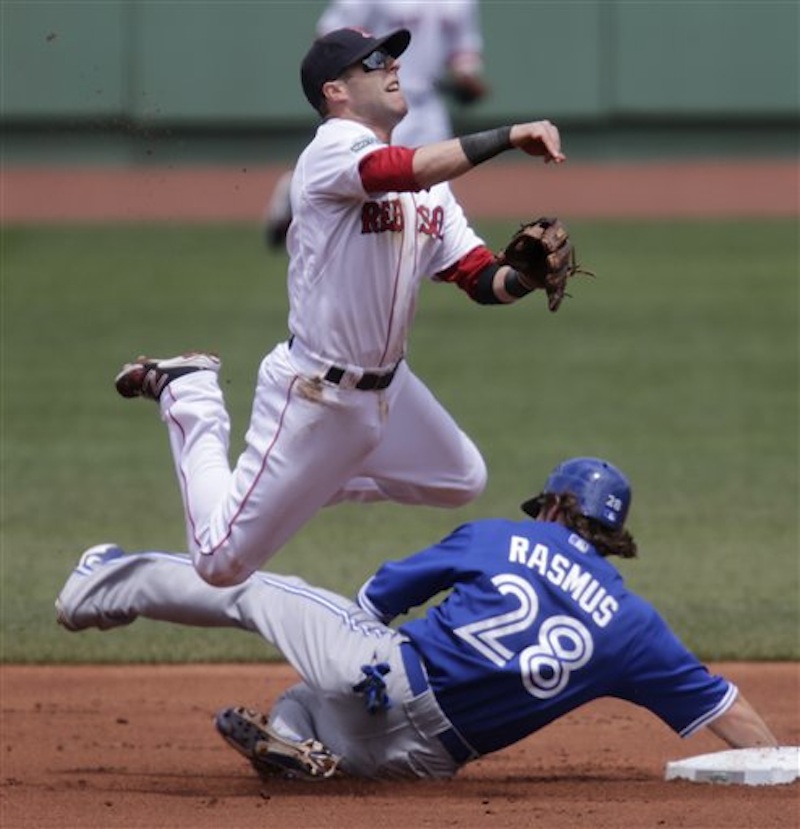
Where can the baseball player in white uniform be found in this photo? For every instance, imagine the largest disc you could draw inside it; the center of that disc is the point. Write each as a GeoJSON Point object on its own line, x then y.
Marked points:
{"type": "Point", "coordinates": [338, 413]}
{"type": "Point", "coordinates": [445, 56]}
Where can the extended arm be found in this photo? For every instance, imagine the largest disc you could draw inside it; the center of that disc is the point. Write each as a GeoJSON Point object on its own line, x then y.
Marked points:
{"type": "Point", "coordinates": [447, 160]}
{"type": "Point", "coordinates": [410, 170]}
{"type": "Point", "coordinates": [742, 727]}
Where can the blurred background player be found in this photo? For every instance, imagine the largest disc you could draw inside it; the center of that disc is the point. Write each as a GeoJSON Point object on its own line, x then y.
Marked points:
{"type": "Point", "coordinates": [445, 58]}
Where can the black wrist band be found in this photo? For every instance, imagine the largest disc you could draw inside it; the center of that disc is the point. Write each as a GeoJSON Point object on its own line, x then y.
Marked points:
{"type": "Point", "coordinates": [481, 146]}
{"type": "Point", "coordinates": [516, 285]}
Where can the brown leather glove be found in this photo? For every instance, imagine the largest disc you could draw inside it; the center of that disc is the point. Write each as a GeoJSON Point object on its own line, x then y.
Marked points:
{"type": "Point", "coordinates": [543, 253]}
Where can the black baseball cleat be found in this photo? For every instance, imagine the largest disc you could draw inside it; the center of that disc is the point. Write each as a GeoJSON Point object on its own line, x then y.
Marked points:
{"type": "Point", "coordinates": [149, 376]}
{"type": "Point", "coordinates": [270, 754]}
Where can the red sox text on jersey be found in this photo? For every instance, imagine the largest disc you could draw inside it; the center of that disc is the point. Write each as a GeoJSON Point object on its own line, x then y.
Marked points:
{"type": "Point", "coordinates": [387, 216]}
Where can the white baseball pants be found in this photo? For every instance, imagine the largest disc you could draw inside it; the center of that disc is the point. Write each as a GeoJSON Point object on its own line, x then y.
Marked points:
{"type": "Point", "coordinates": [309, 444]}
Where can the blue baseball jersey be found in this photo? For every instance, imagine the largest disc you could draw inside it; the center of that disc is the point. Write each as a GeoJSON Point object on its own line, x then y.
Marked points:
{"type": "Point", "coordinates": [536, 624]}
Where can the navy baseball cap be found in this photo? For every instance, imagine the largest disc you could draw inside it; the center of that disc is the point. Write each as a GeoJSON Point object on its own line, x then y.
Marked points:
{"type": "Point", "coordinates": [331, 54]}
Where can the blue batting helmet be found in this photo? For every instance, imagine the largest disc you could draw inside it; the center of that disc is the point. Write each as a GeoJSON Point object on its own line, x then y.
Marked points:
{"type": "Point", "coordinates": [603, 492]}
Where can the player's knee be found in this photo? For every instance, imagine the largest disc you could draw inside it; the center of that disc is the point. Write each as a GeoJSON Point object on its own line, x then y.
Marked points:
{"type": "Point", "coordinates": [220, 570]}
{"type": "Point", "coordinates": [476, 480]}
{"type": "Point", "coordinates": [466, 489]}
{"type": "Point", "coordinates": [472, 487]}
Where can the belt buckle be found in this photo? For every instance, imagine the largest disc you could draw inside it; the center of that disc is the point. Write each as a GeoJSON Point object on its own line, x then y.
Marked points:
{"type": "Point", "coordinates": [349, 380]}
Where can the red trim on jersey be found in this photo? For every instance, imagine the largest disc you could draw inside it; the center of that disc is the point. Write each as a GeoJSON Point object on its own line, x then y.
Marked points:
{"type": "Point", "coordinates": [390, 169]}
{"type": "Point", "coordinates": [465, 272]}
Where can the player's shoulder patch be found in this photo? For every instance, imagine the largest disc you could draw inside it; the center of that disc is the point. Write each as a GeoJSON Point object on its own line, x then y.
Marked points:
{"type": "Point", "coordinates": [364, 141]}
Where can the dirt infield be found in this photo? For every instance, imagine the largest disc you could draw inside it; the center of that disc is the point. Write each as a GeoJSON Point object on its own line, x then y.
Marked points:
{"type": "Point", "coordinates": [134, 747]}
{"type": "Point", "coordinates": [765, 187]}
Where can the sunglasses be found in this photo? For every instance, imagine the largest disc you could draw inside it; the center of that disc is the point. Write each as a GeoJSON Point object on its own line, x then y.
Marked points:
{"type": "Point", "coordinates": [376, 60]}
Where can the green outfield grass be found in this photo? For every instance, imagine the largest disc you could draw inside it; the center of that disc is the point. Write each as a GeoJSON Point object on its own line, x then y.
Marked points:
{"type": "Point", "coordinates": [678, 362]}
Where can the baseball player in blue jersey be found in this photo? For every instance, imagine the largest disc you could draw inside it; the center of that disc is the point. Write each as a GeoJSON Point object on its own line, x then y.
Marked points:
{"type": "Point", "coordinates": [536, 622]}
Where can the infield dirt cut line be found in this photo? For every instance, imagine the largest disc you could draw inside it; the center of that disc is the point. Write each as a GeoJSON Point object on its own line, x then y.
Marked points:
{"type": "Point", "coordinates": [510, 190]}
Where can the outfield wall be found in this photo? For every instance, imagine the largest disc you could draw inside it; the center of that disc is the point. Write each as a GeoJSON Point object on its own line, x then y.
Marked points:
{"type": "Point", "coordinates": [114, 72]}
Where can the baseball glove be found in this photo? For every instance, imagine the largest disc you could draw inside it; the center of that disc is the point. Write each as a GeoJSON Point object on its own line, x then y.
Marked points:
{"type": "Point", "coordinates": [465, 88]}
{"type": "Point", "coordinates": [544, 254]}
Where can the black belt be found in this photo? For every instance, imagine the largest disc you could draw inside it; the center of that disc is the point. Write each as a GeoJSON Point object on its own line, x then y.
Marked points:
{"type": "Point", "coordinates": [368, 382]}
{"type": "Point", "coordinates": [450, 738]}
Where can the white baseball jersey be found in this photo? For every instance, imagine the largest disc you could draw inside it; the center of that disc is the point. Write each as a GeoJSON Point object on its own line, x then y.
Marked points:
{"type": "Point", "coordinates": [442, 35]}
{"type": "Point", "coordinates": [357, 259]}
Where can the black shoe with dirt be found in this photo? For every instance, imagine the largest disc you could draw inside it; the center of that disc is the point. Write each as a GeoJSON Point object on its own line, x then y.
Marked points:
{"type": "Point", "coordinates": [149, 376]}
{"type": "Point", "coordinates": [271, 755]}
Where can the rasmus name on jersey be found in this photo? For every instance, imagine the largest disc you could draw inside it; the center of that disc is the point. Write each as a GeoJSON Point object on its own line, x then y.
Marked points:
{"type": "Point", "coordinates": [574, 580]}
